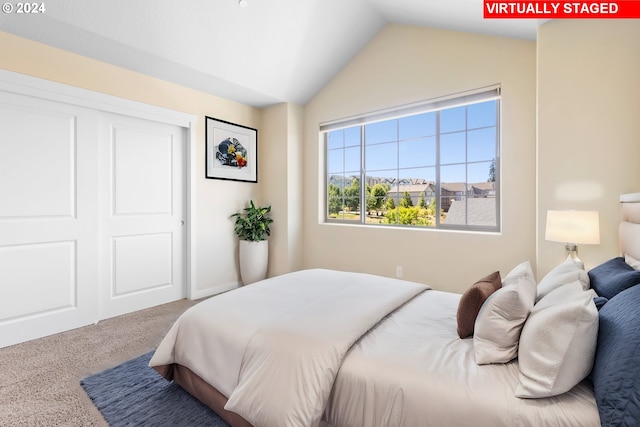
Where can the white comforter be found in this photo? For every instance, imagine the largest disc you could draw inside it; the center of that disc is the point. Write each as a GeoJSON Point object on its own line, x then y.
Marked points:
{"type": "Point", "coordinates": [412, 370]}
{"type": "Point", "coordinates": [274, 347]}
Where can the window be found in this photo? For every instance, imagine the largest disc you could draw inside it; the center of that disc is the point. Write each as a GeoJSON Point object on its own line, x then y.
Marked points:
{"type": "Point", "coordinates": [434, 164]}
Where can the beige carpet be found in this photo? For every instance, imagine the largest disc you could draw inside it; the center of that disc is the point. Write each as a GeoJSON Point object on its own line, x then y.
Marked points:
{"type": "Point", "coordinates": [40, 379]}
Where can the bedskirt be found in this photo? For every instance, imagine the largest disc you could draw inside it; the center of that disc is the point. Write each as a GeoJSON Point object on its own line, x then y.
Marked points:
{"type": "Point", "coordinates": [201, 390]}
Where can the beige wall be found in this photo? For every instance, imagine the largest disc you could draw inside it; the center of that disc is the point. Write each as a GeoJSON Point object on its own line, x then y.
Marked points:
{"type": "Point", "coordinates": [405, 64]}
{"type": "Point", "coordinates": [216, 200]}
{"type": "Point", "coordinates": [588, 133]}
{"type": "Point", "coordinates": [282, 186]}
{"type": "Point", "coordinates": [588, 126]}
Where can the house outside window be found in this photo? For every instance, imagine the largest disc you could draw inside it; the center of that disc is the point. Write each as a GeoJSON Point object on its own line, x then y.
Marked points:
{"type": "Point", "coordinates": [433, 165]}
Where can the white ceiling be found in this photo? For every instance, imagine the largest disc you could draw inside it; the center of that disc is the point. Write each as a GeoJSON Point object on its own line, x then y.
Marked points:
{"type": "Point", "coordinates": [268, 52]}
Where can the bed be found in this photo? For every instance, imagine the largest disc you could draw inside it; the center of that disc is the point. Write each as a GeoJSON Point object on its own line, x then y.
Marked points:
{"type": "Point", "coordinates": [331, 348]}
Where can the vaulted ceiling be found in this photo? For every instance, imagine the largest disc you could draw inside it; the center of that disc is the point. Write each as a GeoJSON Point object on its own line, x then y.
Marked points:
{"type": "Point", "coordinates": [267, 52]}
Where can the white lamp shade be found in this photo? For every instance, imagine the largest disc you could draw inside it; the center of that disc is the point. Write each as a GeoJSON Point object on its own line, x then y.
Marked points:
{"type": "Point", "coordinates": [581, 227]}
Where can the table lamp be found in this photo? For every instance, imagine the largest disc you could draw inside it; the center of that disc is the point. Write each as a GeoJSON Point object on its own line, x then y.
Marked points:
{"type": "Point", "coordinates": [573, 228]}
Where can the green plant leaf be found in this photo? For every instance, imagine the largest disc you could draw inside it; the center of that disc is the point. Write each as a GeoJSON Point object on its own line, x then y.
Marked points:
{"type": "Point", "coordinates": [253, 224]}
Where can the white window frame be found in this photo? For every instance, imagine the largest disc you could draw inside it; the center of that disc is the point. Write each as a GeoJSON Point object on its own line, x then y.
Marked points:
{"type": "Point", "coordinates": [434, 105]}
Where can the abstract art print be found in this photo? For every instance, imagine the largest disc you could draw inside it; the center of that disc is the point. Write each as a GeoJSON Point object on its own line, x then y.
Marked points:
{"type": "Point", "coordinates": [232, 151]}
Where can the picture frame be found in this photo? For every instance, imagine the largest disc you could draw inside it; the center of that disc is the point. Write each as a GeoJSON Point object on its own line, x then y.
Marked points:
{"type": "Point", "coordinates": [231, 151]}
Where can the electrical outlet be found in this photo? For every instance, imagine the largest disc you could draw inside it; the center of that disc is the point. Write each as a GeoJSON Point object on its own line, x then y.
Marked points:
{"type": "Point", "coordinates": [399, 272]}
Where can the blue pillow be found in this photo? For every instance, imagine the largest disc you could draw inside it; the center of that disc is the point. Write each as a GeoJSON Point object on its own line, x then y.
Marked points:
{"type": "Point", "coordinates": [616, 368]}
{"type": "Point", "coordinates": [600, 302]}
{"type": "Point", "coordinates": [612, 277]}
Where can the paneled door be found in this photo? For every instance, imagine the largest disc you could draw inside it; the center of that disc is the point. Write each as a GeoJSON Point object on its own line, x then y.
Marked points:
{"type": "Point", "coordinates": [142, 217]}
{"type": "Point", "coordinates": [48, 217]}
{"type": "Point", "coordinates": [92, 213]}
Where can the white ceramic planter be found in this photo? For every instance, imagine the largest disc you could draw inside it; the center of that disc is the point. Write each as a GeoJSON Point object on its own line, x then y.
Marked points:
{"type": "Point", "coordinates": [254, 257]}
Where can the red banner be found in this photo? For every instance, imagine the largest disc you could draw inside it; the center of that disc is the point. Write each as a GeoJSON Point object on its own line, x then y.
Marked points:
{"type": "Point", "coordinates": [561, 9]}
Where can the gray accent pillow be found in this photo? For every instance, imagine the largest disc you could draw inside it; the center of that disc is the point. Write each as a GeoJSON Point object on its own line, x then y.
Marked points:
{"type": "Point", "coordinates": [500, 320]}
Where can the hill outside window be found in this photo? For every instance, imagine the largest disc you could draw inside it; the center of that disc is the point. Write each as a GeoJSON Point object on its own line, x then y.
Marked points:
{"type": "Point", "coordinates": [434, 164]}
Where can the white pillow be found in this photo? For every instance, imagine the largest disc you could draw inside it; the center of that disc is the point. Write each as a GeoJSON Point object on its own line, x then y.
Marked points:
{"type": "Point", "coordinates": [567, 272]}
{"type": "Point", "coordinates": [521, 270]}
{"type": "Point", "coordinates": [558, 342]}
{"type": "Point", "coordinates": [632, 262]}
{"type": "Point", "coordinates": [500, 320]}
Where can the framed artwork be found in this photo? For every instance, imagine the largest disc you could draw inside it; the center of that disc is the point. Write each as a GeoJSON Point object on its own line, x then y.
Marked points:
{"type": "Point", "coordinates": [232, 151]}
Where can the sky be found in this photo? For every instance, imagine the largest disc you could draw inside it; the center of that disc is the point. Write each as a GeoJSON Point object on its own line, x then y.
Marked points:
{"type": "Point", "coordinates": [407, 146]}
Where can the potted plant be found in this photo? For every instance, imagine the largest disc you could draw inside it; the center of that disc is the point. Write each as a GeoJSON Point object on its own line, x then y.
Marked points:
{"type": "Point", "coordinates": [252, 228]}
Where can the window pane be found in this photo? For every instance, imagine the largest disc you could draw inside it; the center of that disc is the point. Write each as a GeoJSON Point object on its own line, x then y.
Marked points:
{"type": "Point", "coordinates": [481, 115]}
{"type": "Point", "coordinates": [377, 191]}
{"type": "Point", "coordinates": [454, 174]}
{"type": "Point", "coordinates": [412, 196]}
{"type": "Point", "coordinates": [347, 215]}
{"type": "Point", "coordinates": [386, 131]}
{"type": "Point", "coordinates": [452, 148]}
{"type": "Point", "coordinates": [335, 161]}
{"type": "Point", "coordinates": [337, 184]}
{"type": "Point", "coordinates": [481, 144]}
{"type": "Point", "coordinates": [481, 211]}
{"type": "Point", "coordinates": [335, 206]}
{"type": "Point", "coordinates": [456, 211]}
{"type": "Point", "coordinates": [481, 172]}
{"type": "Point", "coordinates": [386, 177]}
{"type": "Point", "coordinates": [418, 152]}
{"type": "Point", "coordinates": [352, 160]}
{"type": "Point", "coordinates": [352, 136]}
{"type": "Point", "coordinates": [473, 211]}
{"type": "Point", "coordinates": [381, 156]}
{"type": "Point", "coordinates": [453, 119]}
{"type": "Point", "coordinates": [351, 209]}
{"type": "Point", "coordinates": [335, 139]}
{"type": "Point", "coordinates": [404, 176]}
{"type": "Point", "coordinates": [452, 188]}
{"type": "Point", "coordinates": [417, 175]}
{"type": "Point", "coordinates": [380, 177]}
{"type": "Point", "coordinates": [417, 126]}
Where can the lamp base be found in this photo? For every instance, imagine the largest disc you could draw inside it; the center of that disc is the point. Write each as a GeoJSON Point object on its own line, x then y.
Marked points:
{"type": "Point", "coordinates": [572, 253]}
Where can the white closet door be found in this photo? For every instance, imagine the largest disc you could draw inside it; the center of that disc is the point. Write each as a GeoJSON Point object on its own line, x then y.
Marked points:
{"type": "Point", "coordinates": [48, 217]}
{"type": "Point", "coordinates": [143, 188]}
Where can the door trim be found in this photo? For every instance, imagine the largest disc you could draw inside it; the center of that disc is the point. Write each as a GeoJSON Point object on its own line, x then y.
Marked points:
{"type": "Point", "coordinates": [59, 92]}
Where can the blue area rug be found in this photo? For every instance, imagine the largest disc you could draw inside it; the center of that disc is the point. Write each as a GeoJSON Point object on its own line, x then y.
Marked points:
{"type": "Point", "coordinates": [133, 394]}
